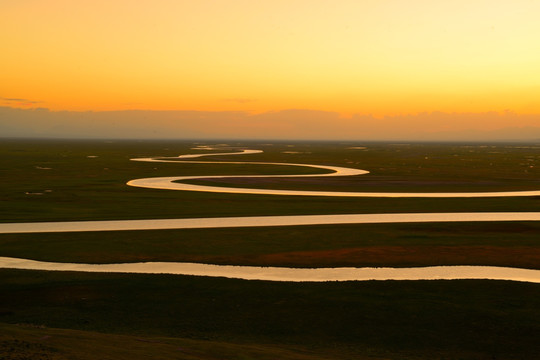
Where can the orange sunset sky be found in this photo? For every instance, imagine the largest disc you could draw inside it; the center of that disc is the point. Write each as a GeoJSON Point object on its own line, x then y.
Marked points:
{"type": "Point", "coordinates": [352, 58]}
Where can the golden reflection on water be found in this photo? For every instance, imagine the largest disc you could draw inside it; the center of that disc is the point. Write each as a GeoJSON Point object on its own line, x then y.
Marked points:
{"type": "Point", "coordinates": [288, 274]}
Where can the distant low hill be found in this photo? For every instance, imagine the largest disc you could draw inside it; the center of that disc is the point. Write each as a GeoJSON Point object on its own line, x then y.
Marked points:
{"type": "Point", "coordinates": [279, 125]}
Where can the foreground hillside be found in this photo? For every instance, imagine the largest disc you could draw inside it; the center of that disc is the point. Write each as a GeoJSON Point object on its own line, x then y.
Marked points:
{"type": "Point", "coordinates": [466, 319]}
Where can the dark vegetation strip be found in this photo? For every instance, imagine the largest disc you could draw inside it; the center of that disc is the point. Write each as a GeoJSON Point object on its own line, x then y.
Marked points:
{"type": "Point", "coordinates": [399, 319]}
{"type": "Point", "coordinates": [37, 342]}
{"type": "Point", "coordinates": [122, 204]}
{"type": "Point", "coordinates": [514, 244]}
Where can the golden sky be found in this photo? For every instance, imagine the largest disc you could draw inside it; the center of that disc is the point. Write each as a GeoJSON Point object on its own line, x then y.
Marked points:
{"type": "Point", "coordinates": [380, 57]}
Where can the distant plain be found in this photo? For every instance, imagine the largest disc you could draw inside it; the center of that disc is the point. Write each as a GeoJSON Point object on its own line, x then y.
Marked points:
{"type": "Point", "coordinates": [58, 180]}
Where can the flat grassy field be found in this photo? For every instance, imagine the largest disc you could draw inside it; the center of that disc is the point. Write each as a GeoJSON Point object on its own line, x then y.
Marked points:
{"type": "Point", "coordinates": [66, 180]}
{"type": "Point", "coordinates": [131, 316]}
{"type": "Point", "coordinates": [513, 244]}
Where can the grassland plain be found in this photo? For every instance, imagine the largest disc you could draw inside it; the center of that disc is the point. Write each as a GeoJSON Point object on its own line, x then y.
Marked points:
{"type": "Point", "coordinates": [65, 180]}
{"type": "Point", "coordinates": [61, 181]}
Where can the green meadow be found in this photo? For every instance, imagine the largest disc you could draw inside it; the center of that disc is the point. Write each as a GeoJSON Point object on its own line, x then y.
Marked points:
{"type": "Point", "coordinates": [43, 314]}
{"type": "Point", "coordinates": [68, 180]}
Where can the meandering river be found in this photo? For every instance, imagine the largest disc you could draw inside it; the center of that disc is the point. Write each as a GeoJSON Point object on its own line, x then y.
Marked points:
{"type": "Point", "coordinates": [277, 273]}
{"type": "Point", "coordinates": [173, 182]}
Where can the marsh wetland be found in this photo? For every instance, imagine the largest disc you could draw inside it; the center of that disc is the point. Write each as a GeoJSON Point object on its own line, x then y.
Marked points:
{"type": "Point", "coordinates": [52, 181]}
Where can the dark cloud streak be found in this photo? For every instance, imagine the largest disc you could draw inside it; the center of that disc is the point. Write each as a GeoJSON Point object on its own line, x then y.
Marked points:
{"type": "Point", "coordinates": [20, 100]}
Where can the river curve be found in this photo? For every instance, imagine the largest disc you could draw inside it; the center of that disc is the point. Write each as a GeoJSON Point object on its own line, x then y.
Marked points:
{"type": "Point", "coordinates": [276, 273]}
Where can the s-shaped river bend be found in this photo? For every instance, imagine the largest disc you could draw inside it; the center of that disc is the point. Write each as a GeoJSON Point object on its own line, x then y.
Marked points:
{"type": "Point", "coordinates": [277, 273]}
{"type": "Point", "coordinates": [172, 182]}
